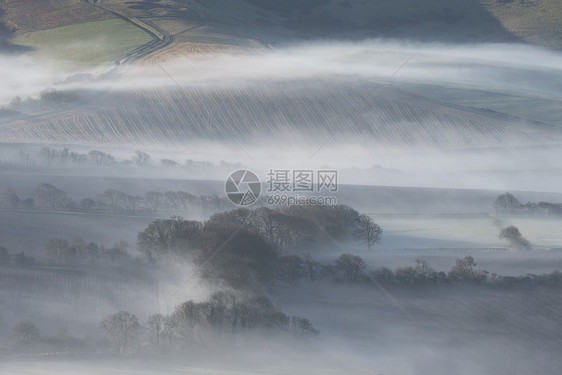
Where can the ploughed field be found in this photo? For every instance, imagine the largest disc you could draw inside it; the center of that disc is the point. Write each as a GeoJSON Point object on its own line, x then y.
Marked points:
{"type": "Point", "coordinates": [301, 109]}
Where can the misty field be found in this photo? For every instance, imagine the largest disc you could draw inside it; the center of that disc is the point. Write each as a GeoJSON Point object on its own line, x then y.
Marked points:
{"type": "Point", "coordinates": [127, 127]}
{"type": "Point", "coordinates": [297, 112]}
{"type": "Point", "coordinates": [466, 232]}
{"type": "Point", "coordinates": [43, 226]}
{"type": "Point", "coordinates": [447, 329]}
{"type": "Point", "coordinates": [441, 330]}
{"type": "Point", "coordinates": [537, 107]}
{"type": "Point", "coordinates": [74, 298]}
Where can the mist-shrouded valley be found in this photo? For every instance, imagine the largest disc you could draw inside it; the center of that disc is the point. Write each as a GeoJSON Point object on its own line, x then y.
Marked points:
{"type": "Point", "coordinates": [295, 187]}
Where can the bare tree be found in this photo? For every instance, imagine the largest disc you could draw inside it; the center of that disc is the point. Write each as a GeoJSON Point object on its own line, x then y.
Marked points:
{"type": "Point", "coordinates": [88, 204]}
{"type": "Point", "coordinates": [506, 203]}
{"type": "Point", "coordinates": [58, 251]}
{"type": "Point", "coordinates": [174, 236]}
{"type": "Point", "coordinates": [419, 274]}
{"type": "Point", "coordinates": [132, 202]}
{"type": "Point", "coordinates": [121, 328]}
{"type": "Point", "coordinates": [368, 231]}
{"type": "Point", "coordinates": [114, 198]}
{"type": "Point", "coordinates": [312, 269]}
{"type": "Point", "coordinates": [153, 199]}
{"type": "Point", "coordinates": [100, 158]}
{"type": "Point", "coordinates": [464, 270]}
{"type": "Point", "coordinates": [54, 97]}
{"type": "Point", "coordinates": [11, 198]}
{"type": "Point", "coordinates": [168, 163]}
{"type": "Point", "coordinates": [352, 266]}
{"type": "Point", "coordinates": [512, 234]}
{"type": "Point", "coordinates": [188, 317]}
{"type": "Point", "coordinates": [267, 223]}
{"type": "Point", "coordinates": [185, 199]}
{"type": "Point", "coordinates": [172, 199]}
{"type": "Point", "coordinates": [16, 101]}
{"type": "Point", "coordinates": [302, 327]}
{"type": "Point", "coordinates": [141, 158]}
{"type": "Point", "coordinates": [24, 335]}
{"type": "Point", "coordinates": [157, 325]}
{"type": "Point", "coordinates": [49, 196]}
{"type": "Point", "coordinates": [218, 310]}
{"type": "Point", "coordinates": [291, 268]}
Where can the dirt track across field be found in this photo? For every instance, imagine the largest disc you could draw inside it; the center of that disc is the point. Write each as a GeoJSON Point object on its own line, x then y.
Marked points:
{"type": "Point", "coordinates": [160, 38]}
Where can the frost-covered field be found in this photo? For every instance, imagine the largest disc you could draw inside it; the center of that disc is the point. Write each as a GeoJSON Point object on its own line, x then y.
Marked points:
{"type": "Point", "coordinates": [442, 330]}
{"type": "Point", "coordinates": [29, 231]}
{"type": "Point", "coordinates": [76, 298]}
{"type": "Point", "coordinates": [435, 331]}
{"type": "Point", "coordinates": [424, 132]}
{"type": "Point", "coordinates": [404, 233]}
{"type": "Point", "coordinates": [451, 231]}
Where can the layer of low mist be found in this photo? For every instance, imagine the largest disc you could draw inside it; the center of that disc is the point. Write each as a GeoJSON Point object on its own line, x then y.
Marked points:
{"type": "Point", "coordinates": [514, 67]}
{"type": "Point", "coordinates": [347, 106]}
{"type": "Point", "coordinates": [378, 126]}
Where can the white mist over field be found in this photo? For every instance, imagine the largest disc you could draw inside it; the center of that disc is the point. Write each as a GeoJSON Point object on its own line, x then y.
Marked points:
{"type": "Point", "coordinates": [388, 113]}
{"type": "Point", "coordinates": [512, 67]}
{"type": "Point", "coordinates": [508, 69]}
{"type": "Point", "coordinates": [489, 66]}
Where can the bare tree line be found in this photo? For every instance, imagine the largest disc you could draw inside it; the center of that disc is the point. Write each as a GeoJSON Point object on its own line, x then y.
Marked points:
{"type": "Point", "coordinates": [188, 328]}
{"type": "Point", "coordinates": [65, 157]}
{"type": "Point", "coordinates": [507, 204]}
{"type": "Point", "coordinates": [48, 197]}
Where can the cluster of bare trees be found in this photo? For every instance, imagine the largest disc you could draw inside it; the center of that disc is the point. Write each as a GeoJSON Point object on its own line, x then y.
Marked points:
{"type": "Point", "coordinates": [508, 204]}
{"type": "Point", "coordinates": [155, 201]}
{"type": "Point", "coordinates": [284, 229]}
{"type": "Point", "coordinates": [18, 258]}
{"type": "Point", "coordinates": [352, 268]}
{"type": "Point", "coordinates": [349, 267]}
{"type": "Point", "coordinates": [515, 238]}
{"type": "Point", "coordinates": [49, 197]}
{"type": "Point", "coordinates": [26, 338]}
{"type": "Point", "coordinates": [122, 328]}
{"type": "Point", "coordinates": [51, 157]}
{"type": "Point", "coordinates": [251, 243]}
{"type": "Point", "coordinates": [78, 252]}
{"type": "Point", "coordinates": [65, 157]}
{"type": "Point", "coordinates": [55, 98]}
{"type": "Point", "coordinates": [223, 316]}
{"type": "Point", "coordinates": [421, 273]}
{"type": "Point", "coordinates": [293, 268]}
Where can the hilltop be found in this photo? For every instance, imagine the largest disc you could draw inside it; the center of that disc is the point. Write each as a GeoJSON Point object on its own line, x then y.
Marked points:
{"type": "Point", "coordinates": [197, 26]}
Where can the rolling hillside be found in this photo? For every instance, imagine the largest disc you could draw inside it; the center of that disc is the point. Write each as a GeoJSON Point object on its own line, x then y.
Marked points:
{"type": "Point", "coordinates": [533, 21]}
{"type": "Point", "coordinates": [41, 15]}
{"type": "Point", "coordinates": [219, 24]}
{"type": "Point", "coordinates": [308, 110]}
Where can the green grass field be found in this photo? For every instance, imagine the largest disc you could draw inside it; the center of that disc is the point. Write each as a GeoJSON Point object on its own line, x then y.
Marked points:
{"type": "Point", "coordinates": [87, 44]}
